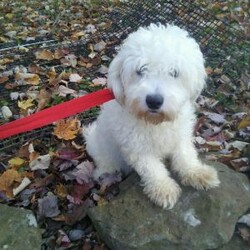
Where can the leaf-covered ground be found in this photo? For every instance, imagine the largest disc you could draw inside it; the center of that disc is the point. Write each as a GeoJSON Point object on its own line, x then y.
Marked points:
{"type": "Point", "coordinates": [52, 176]}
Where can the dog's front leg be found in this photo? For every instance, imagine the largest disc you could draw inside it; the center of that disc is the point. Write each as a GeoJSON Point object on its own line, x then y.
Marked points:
{"type": "Point", "coordinates": [191, 170]}
{"type": "Point", "coordinates": [157, 183]}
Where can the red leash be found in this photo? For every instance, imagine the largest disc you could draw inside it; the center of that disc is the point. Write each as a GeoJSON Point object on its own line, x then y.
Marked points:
{"type": "Point", "coordinates": [60, 111]}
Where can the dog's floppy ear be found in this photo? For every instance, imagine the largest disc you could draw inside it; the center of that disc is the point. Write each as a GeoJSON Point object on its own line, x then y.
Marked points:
{"type": "Point", "coordinates": [114, 79]}
{"type": "Point", "coordinates": [199, 82]}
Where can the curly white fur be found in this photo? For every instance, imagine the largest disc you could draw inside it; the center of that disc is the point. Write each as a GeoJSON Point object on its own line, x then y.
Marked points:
{"type": "Point", "coordinates": [155, 77]}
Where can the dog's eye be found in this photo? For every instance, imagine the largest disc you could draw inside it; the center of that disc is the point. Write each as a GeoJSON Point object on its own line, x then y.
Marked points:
{"type": "Point", "coordinates": [141, 70]}
{"type": "Point", "coordinates": [174, 73]}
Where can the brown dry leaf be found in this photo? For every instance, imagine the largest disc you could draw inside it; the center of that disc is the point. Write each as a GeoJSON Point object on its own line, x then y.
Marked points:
{"type": "Point", "coordinates": [53, 79]}
{"type": "Point", "coordinates": [52, 73]}
{"type": "Point", "coordinates": [44, 55]}
{"type": "Point", "coordinates": [209, 70]}
{"type": "Point", "coordinates": [7, 180]}
{"type": "Point", "coordinates": [43, 182]}
{"type": "Point", "coordinates": [67, 129]}
{"type": "Point", "coordinates": [43, 99]}
{"type": "Point", "coordinates": [61, 191]}
{"type": "Point", "coordinates": [59, 53]}
{"type": "Point", "coordinates": [77, 35]}
{"type": "Point", "coordinates": [36, 69]}
{"type": "Point", "coordinates": [3, 79]}
{"type": "Point", "coordinates": [6, 61]}
{"type": "Point", "coordinates": [85, 62]}
{"type": "Point", "coordinates": [25, 104]}
{"type": "Point", "coordinates": [27, 78]}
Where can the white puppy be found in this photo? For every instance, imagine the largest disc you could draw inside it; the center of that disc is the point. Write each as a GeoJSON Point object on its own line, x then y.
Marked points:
{"type": "Point", "coordinates": [156, 78]}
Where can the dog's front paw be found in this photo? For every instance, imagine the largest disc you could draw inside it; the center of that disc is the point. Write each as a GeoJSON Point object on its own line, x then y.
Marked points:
{"type": "Point", "coordinates": [201, 177]}
{"type": "Point", "coordinates": [163, 193]}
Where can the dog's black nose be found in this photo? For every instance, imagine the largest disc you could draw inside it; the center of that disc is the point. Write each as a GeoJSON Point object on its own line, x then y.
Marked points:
{"type": "Point", "coordinates": [154, 101]}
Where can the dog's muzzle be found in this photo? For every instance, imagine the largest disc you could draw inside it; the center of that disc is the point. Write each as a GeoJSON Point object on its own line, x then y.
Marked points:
{"type": "Point", "coordinates": [154, 102]}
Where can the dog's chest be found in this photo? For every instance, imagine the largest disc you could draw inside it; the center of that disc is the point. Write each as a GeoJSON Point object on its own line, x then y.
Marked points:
{"type": "Point", "coordinates": [158, 140]}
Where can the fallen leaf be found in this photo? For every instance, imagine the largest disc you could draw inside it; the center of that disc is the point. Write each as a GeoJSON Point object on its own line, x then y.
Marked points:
{"type": "Point", "coordinates": [62, 165]}
{"type": "Point", "coordinates": [85, 62]}
{"type": "Point", "coordinates": [61, 191]}
{"type": "Point", "coordinates": [64, 91]}
{"type": "Point", "coordinates": [100, 46]}
{"type": "Point", "coordinates": [67, 129]}
{"type": "Point", "coordinates": [103, 70]}
{"type": "Point", "coordinates": [25, 104]}
{"type": "Point", "coordinates": [3, 79]}
{"type": "Point", "coordinates": [77, 35]}
{"type": "Point", "coordinates": [7, 180]}
{"type": "Point", "coordinates": [75, 78]}
{"type": "Point", "coordinates": [213, 145]}
{"type": "Point", "coordinates": [25, 197]}
{"type": "Point", "coordinates": [43, 182]}
{"type": "Point", "coordinates": [70, 152]}
{"type": "Point", "coordinates": [244, 123]}
{"type": "Point", "coordinates": [216, 118]}
{"type": "Point", "coordinates": [44, 55]}
{"type": "Point", "coordinates": [41, 162]}
{"type": "Point", "coordinates": [107, 180]}
{"type": "Point", "coordinates": [6, 112]}
{"type": "Point", "coordinates": [27, 78]}
{"type": "Point", "coordinates": [63, 239]}
{"type": "Point", "coordinates": [44, 98]}
{"type": "Point", "coordinates": [16, 162]}
{"type": "Point", "coordinates": [84, 171]}
{"type": "Point", "coordinates": [60, 53]}
{"type": "Point", "coordinates": [78, 212]}
{"type": "Point", "coordinates": [48, 207]}
{"type": "Point", "coordinates": [90, 28]}
{"type": "Point", "coordinates": [78, 192]}
{"type": "Point", "coordinates": [239, 163]}
{"type": "Point", "coordinates": [6, 61]}
{"type": "Point", "coordinates": [240, 145]}
{"type": "Point", "coordinates": [36, 69]}
{"type": "Point", "coordinates": [100, 81]}
{"type": "Point", "coordinates": [69, 60]}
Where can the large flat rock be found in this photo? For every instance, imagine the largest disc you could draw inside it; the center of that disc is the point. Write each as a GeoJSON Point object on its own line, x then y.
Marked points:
{"type": "Point", "coordinates": [200, 219]}
{"type": "Point", "coordinates": [18, 229]}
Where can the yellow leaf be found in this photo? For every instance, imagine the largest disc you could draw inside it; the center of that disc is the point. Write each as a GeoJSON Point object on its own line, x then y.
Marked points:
{"type": "Point", "coordinates": [244, 123]}
{"type": "Point", "coordinates": [44, 55]}
{"type": "Point", "coordinates": [9, 15]}
{"type": "Point", "coordinates": [16, 161]}
{"type": "Point", "coordinates": [25, 104]}
{"type": "Point", "coordinates": [67, 129]}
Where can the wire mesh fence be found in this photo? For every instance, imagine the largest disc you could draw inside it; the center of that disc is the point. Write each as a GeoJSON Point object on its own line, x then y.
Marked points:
{"type": "Point", "coordinates": [222, 47]}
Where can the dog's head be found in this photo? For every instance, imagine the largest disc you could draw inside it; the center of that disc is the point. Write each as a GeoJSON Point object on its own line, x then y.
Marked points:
{"type": "Point", "coordinates": [157, 70]}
